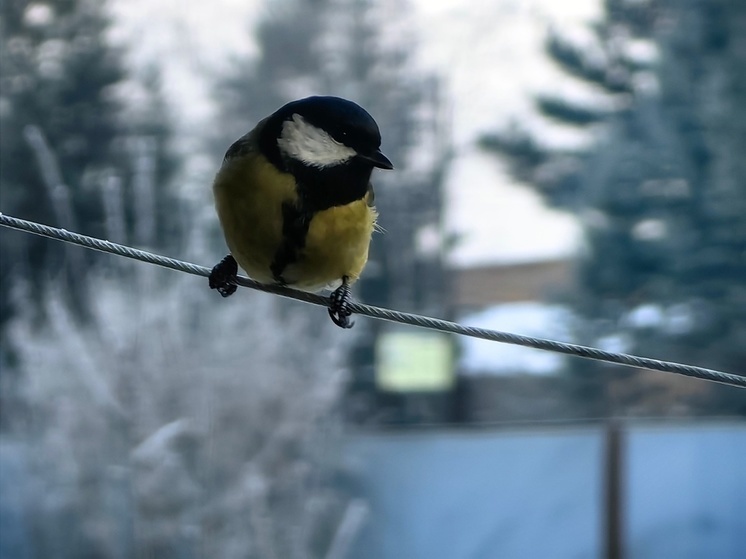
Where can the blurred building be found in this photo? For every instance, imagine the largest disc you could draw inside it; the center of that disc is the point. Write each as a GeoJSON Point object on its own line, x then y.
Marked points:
{"type": "Point", "coordinates": [404, 375]}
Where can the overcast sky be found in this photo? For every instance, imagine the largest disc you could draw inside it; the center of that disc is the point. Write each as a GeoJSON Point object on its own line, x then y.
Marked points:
{"type": "Point", "coordinates": [489, 53]}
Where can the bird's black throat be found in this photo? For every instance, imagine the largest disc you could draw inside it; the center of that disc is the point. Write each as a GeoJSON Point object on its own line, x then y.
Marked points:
{"type": "Point", "coordinates": [339, 185]}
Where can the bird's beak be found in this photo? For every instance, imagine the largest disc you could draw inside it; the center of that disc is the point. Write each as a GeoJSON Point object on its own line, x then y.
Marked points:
{"type": "Point", "coordinates": [378, 159]}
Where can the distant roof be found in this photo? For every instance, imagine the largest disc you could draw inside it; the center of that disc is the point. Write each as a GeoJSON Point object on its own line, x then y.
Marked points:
{"type": "Point", "coordinates": [509, 283]}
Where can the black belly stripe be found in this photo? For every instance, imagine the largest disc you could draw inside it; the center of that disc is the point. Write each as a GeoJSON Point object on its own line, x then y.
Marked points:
{"type": "Point", "coordinates": [295, 223]}
{"type": "Point", "coordinates": [318, 190]}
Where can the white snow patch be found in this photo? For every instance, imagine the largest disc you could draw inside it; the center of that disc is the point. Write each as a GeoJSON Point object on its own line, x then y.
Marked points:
{"type": "Point", "coordinates": [530, 319]}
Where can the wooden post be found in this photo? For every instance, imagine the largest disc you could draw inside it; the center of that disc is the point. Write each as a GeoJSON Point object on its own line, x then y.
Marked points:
{"type": "Point", "coordinates": [614, 492]}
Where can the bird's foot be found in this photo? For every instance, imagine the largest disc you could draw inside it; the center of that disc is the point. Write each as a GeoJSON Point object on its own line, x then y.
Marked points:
{"type": "Point", "coordinates": [223, 276]}
{"type": "Point", "coordinates": [339, 301]}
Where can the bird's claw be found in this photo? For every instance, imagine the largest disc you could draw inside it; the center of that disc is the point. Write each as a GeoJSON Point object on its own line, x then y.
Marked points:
{"type": "Point", "coordinates": [339, 310]}
{"type": "Point", "coordinates": [223, 276]}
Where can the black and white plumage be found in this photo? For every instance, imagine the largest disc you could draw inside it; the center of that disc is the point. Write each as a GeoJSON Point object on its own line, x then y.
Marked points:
{"type": "Point", "coordinates": [295, 201]}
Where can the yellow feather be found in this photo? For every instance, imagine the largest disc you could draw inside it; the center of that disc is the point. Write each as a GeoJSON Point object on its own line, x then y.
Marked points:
{"type": "Point", "coordinates": [249, 194]}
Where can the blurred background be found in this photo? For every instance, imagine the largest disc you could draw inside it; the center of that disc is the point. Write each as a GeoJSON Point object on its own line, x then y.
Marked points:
{"type": "Point", "coordinates": [572, 170]}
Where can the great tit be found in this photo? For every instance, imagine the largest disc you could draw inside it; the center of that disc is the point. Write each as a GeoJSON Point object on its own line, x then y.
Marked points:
{"type": "Point", "coordinates": [295, 201]}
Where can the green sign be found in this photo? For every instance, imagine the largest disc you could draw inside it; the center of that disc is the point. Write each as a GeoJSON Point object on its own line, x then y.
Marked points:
{"type": "Point", "coordinates": [414, 362]}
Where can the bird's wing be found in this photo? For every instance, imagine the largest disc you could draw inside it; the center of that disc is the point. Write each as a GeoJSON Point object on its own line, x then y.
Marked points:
{"type": "Point", "coordinates": [247, 143]}
{"type": "Point", "coordinates": [242, 146]}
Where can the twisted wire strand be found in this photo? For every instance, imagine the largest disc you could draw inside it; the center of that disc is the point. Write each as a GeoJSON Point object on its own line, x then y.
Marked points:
{"type": "Point", "coordinates": [382, 313]}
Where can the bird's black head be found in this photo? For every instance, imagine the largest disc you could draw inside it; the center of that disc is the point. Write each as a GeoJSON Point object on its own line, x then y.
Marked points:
{"type": "Point", "coordinates": [330, 145]}
{"type": "Point", "coordinates": [323, 132]}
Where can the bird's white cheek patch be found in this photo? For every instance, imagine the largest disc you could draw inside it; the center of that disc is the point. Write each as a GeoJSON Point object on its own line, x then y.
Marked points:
{"type": "Point", "coordinates": [313, 146]}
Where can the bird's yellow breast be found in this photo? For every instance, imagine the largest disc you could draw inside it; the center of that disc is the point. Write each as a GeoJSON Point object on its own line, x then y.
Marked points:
{"type": "Point", "coordinates": [249, 196]}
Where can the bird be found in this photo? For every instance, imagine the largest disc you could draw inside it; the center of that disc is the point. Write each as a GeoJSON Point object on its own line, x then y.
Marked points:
{"type": "Point", "coordinates": [295, 201]}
